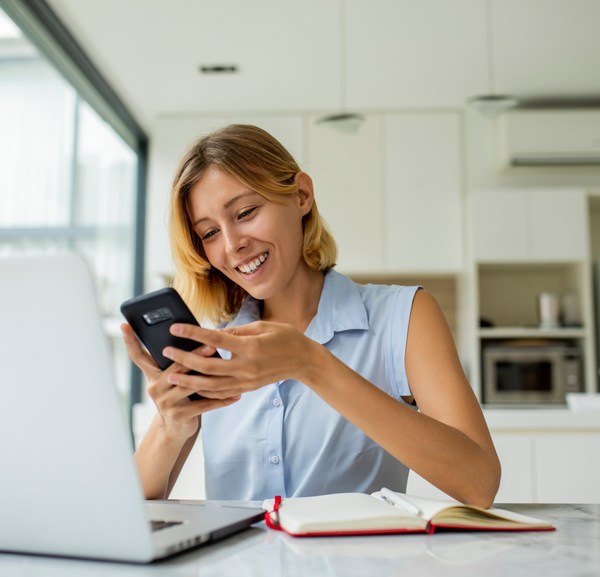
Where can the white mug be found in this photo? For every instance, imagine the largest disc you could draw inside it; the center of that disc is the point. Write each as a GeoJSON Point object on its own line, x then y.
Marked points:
{"type": "Point", "coordinates": [549, 310]}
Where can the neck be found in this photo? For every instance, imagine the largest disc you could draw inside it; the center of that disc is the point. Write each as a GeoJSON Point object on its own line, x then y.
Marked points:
{"type": "Point", "coordinates": [298, 306]}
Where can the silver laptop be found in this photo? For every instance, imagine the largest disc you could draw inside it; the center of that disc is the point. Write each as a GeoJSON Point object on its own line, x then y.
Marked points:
{"type": "Point", "coordinates": [68, 483]}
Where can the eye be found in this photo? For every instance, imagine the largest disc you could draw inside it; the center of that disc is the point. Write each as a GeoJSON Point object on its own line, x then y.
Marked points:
{"type": "Point", "coordinates": [246, 212]}
{"type": "Point", "coordinates": [207, 235]}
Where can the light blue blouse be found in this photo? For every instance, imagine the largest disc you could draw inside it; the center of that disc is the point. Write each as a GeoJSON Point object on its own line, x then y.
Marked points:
{"type": "Point", "coordinates": [283, 439]}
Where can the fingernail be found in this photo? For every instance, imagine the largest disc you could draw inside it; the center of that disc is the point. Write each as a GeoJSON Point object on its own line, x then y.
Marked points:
{"type": "Point", "coordinates": [176, 329]}
{"type": "Point", "coordinates": [173, 379]}
{"type": "Point", "coordinates": [168, 353]}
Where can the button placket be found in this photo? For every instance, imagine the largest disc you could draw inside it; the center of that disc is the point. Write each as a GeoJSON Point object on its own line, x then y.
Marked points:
{"type": "Point", "coordinates": [276, 446]}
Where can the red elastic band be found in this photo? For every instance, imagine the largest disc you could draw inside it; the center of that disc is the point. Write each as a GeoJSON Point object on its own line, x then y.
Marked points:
{"type": "Point", "coordinates": [274, 524]}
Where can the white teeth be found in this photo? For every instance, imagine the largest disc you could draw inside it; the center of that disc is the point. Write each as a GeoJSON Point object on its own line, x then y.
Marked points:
{"type": "Point", "coordinates": [253, 265]}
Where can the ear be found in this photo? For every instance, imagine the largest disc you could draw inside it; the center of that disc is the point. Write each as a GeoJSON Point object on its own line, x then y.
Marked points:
{"type": "Point", "coordinates": [306, 193]}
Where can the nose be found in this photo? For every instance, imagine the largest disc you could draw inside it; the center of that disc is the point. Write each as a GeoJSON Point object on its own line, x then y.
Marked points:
{"type": "Point", "coordinates": [234, 240]}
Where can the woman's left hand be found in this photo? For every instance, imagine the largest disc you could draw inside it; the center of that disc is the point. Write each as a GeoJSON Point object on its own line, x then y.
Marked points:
{"type": "Point", "coordinates": [261, 353]}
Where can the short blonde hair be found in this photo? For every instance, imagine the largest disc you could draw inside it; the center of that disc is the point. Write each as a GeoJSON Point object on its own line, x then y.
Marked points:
{"type": "Point", "coordinates": [260, 162]}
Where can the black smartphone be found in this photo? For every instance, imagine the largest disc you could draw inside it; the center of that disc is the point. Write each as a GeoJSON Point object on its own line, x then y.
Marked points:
{"type": "Point", "coordinates": [151, 315]}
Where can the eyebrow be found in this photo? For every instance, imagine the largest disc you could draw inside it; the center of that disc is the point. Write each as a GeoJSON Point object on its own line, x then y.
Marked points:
{"type": "Point", "coordinates": [228, 204]}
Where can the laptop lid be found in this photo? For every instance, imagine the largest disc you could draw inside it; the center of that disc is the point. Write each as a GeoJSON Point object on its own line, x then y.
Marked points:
{"type": "Point", "coordinates": [69, 485]}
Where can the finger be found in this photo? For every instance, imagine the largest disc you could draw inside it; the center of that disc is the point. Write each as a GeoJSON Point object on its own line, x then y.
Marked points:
{"type": "Point", "coordinates": [217, 339]}
{"type": "Point", "coordinates": [140, 357]}
{"type": "Point", "coordinates": [220, 387]}
{"type": "Point", "coordinates": [206, 405]}
{"type": "Point", "coordinates": [214, 366]}
{"type": "Point", "coordinates": [195, 382]}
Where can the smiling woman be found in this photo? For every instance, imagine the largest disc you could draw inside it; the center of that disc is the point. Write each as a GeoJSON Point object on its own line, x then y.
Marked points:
{"type": "Point", "coordinates": [309, 394]}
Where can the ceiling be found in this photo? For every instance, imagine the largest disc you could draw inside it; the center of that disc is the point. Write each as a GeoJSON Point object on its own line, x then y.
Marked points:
{"type": "Point", "coordinates": [151, 50]}
{"type": "Point", "coordinates": [333, 55]}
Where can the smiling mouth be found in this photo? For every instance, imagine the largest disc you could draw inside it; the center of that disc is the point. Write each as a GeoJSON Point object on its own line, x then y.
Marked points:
{"type": "Point", "coordinates": [253, 265]}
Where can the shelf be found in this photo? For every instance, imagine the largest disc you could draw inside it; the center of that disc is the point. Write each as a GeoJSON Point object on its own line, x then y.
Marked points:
{"type": "Point", "coordinates": [531, 332]}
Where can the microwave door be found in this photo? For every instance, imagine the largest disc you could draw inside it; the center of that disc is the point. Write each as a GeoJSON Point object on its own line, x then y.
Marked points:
{"type": "Point", "coordinates": [515, 375]}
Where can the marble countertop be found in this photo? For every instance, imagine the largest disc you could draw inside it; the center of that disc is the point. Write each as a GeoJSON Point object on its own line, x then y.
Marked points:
{"type": "Point", "coordinates": [572, 550]}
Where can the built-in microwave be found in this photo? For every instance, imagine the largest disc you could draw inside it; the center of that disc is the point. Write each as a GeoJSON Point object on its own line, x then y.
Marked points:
{"type": "Point", "coordinates": [530, 374]}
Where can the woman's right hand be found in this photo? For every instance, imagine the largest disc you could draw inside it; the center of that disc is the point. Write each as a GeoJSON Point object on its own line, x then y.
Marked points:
{"type": "Point", "coordinates": [178, 413]}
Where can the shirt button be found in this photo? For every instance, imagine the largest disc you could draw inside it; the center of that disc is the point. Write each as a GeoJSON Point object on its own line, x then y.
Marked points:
{"type": "Point", "coordinates": [275, 459]}
{"type": "Point", "coordinates": [276, 402]}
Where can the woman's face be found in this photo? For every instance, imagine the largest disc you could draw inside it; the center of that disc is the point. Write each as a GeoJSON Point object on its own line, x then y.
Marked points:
{"type": "Point", "coordinates": [254, 242]}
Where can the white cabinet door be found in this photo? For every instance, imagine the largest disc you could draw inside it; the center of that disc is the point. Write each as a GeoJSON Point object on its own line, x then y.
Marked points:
{"type": "Point", "coordinates": [499, 226]}
{"type": "Point", "coordinates": [391, 192]}
{"type": "Point", "coordinates": [515, 452]}
{"type": "Point", "coordinates": [423, 193]}
{"type": "Point", "coordinates": [559, 225]}
{"type": "Point", "coordinates": [402, 53]}
{"type": "Point", "coordinates": [546, 47]}
{"type": "Point", "coordinates": [567, 468]}
{"type": "Point", "coordinates": [288, 55]}
{"type": "Point", "coordinates": [529, 225]}
{"type": "Point", "coordinates": [347, 174]}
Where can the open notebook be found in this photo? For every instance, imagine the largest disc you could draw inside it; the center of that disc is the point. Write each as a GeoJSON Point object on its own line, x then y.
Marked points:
{"type": "Point", "coordinates": [387, 511]}
{"type": "Point", "coordinates": [69, 483]}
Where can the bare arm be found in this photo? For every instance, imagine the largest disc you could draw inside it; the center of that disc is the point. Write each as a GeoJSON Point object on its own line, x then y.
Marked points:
{"type": "Point", "coordinates": [173, 431]}
{"type": "Point", "coordinates": [160, 460]}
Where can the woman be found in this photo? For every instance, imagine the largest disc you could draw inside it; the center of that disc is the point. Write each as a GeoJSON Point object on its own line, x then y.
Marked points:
{"type": "Point", "coordinates": [317, 387]}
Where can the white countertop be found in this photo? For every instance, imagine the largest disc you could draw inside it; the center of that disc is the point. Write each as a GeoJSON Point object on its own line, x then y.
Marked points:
{"type": "Point", "coordinates": [541, 419]}
{"type": "Point", "coordinates": [571, 550]}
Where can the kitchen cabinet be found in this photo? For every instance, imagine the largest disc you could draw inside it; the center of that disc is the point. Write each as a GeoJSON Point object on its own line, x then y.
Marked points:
{"type": "Point", "coordinates": [346, 169]}
{"type": "Point", "coordinates": [545, 47]}
{"type": "Point", "coordinates": [575, 454]}
{"type": "Point", "coordinates": [391, 192]}
{"type": "Point", "coordinates": [507, 300]}
{"type": "Point", "coordinates": [523, 242]}
{"type": "Point", "coordinates": [516, 453]}
{"type": "Point", "coordinates": [529, 225]}
{"type": "Point", "coordinates": [517, 485]}
{"type": "Point", "coordinates": [423, 193]}
{"type": "Point", "coordinates": [547, 456]}
{"type": "Point", "coordinates": [418, 55]}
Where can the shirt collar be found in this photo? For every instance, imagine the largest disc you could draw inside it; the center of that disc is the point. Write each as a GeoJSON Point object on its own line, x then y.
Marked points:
{"type": "Point", "coordinates": [341, 308]}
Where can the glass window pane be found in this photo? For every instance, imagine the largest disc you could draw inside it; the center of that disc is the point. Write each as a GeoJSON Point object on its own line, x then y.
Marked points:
{"type": "Point", "coordinates": [36, 144]}
{"type": "Point", "coordinates": [105, 206]}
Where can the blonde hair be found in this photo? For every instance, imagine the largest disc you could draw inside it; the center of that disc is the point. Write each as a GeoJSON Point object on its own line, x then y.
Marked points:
{"type": "Point", "coordinates": [260, 162]}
